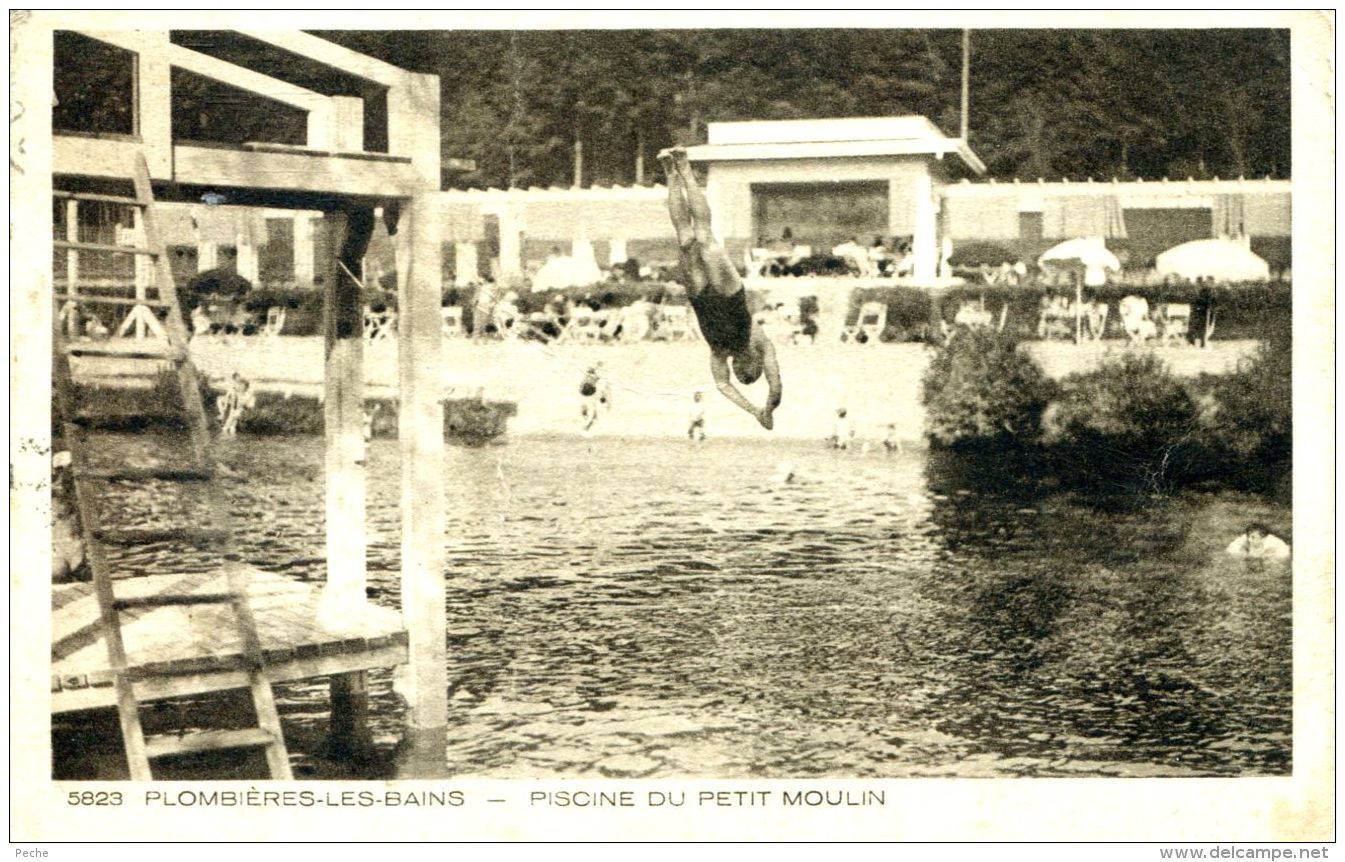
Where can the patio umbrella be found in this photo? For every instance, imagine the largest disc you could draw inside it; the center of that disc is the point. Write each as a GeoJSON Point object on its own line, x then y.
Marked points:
{"type": "Point", "coordinates": [1220, 259]}
{"type": "Point", "coordinates": [1089, 260]}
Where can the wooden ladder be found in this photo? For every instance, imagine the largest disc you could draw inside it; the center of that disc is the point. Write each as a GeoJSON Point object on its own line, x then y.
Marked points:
{"type": "Point", "coordinates": [172, 349]}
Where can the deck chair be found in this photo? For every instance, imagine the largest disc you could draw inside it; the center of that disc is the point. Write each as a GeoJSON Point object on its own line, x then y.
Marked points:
{"type": "Point", "coordinates": [584, 324]}
{"type": "Point", "coordinates": [1095, 318]}
{"type": "Point", "coordinates": [872, 319]}
{"type": "Point", "coordinates": [972, 314]}
{"type": "Point", "coordinates": [450, 322]}
{"type": "Point", "coordinates": [1135, 320]}
{"type": "Point", "coordinates": [379, 325]}
{"type": "Point", "coordinates": [1176, 322]}
{"type": "Point", "coordinates": [275, 321]}
{"type": "Point", "coordinates": [675, 323]}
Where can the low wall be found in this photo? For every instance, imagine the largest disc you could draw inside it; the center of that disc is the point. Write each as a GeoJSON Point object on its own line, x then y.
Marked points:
{"type": "Point", "coordinates": [652, 383]}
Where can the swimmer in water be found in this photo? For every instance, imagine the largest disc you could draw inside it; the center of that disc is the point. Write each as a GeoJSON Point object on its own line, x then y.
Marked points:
{"type": "Point", "coordinates": [1258, 543]}
{"type": "Point", "coordinates": [716, 293]}
{"type": "Point", "coordinates": [696, 428]}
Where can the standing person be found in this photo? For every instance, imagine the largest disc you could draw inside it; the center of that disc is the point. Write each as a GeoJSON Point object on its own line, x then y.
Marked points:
{"type": "Point", "coordinates": [842, 431]}
{"type": "Point", "coordinates": [1202, 311]}
{"type": "Point", "coordinates": [890, 442]}
{"type": "Point", "coordinates": [237, 399]}
{"type": "Point", "coordinates": [594, 394]}
{"type": "Point", "coordinates": [696, 427]}
{"type": "Point", "coordinates": [716, 293]}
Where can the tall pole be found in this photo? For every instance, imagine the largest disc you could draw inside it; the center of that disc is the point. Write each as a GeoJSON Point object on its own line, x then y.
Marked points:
{"type": "Point", "coordinates": [578, 147]}
{"type": "Point", "coordinates": [639, 157]}
{"type": "Point", "coordinates": [966, 80]}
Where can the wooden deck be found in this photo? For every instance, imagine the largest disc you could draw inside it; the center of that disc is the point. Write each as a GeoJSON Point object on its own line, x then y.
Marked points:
{"type": "Point", "coordinates": [194, 649]}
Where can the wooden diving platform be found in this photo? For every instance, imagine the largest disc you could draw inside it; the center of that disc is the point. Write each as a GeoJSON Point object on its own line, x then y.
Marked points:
{"type": "Point", "coordinates": [194, 649]}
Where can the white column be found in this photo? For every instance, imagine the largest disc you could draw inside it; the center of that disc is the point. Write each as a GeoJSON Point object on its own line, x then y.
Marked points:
{"type": "Point", "coordinates": [464, 264]}
{"type": "Point", "coordinates": [925, 244]}
{"type": "Point", "coordinates": [511, 245]}
{"type": "Point", "coordinates": [207, 255]}
{"type": "Point", "coordinates": [303, 250]}
{"type": "Point", "coordinates": [618, 252]}
{"type": "Point", "coordinates": [247, 256]}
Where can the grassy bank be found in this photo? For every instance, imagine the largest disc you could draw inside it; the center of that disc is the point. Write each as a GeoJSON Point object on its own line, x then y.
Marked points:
{"type": "Point", "coordinates": [159, 406]}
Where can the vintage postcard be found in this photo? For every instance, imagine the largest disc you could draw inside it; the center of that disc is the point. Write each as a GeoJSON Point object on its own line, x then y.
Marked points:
{"type": "Point", "coordinates": [761, 426]}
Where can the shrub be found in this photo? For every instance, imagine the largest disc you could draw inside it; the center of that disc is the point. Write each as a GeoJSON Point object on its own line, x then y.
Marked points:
{"type": "Point", "coordinates": [1249, 416]}
{"type": "Point", "coordinates": [1129, 420]}
{"type": "Point", "coordinates": [979, 388]}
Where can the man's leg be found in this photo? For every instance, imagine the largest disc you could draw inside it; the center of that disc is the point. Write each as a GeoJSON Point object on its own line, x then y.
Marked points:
{"type": "Point", "coordinates": [700, 208]}
{"type": "Point", "coordinates": [678, 210]}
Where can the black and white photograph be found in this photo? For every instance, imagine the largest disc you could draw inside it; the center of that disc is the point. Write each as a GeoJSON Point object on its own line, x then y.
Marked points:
{"type": "Point", "coordinates": [508, 414]}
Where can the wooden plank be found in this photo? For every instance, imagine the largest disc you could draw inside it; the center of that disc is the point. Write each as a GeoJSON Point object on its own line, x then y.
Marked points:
{"type": "Point", "coordinates": [334, 174]}
{"type": "Point", "coordinates": [85, 196]}
{"type": "Point", "coordinates": [105, 247]}
{"type": "Point", "coordinates": [95, 299]}
{"type": "Point", "coordinates": [208, 740]}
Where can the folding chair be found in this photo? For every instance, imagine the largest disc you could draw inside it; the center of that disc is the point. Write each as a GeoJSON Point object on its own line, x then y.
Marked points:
{"type": "Point", "coordinates": [1176, 322]}
{"type": "Point", "coordinates": [451, 321]}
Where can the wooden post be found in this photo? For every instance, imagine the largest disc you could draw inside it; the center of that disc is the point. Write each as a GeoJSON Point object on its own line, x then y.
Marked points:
{"type": "Point", "coordinates": [343, 406]}
{"type": "Point", "coordinates": [142, 275]}
{"type": "Point", "coordinates": [421, 431]}
{"type": "Point", "coordinates": [349, 735]}
{"type": "Point", "coordinates": [73, 323]}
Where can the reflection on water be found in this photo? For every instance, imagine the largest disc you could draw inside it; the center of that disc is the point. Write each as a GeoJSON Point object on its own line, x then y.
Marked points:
{"type": "Point", "coordinates": [654, 608]}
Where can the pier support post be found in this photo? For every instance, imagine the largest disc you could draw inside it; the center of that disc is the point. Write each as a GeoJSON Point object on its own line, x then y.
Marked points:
{"type": "Point", "coordinates": [421, 431]}
{"type": "Point", "coordinates": [349, 729]}
{"type": "Point", "coordinates": [343, 407]}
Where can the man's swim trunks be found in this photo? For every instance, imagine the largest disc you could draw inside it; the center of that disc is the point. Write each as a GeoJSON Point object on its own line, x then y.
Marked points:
{"type": "Point", "coordinates": [724, 320]}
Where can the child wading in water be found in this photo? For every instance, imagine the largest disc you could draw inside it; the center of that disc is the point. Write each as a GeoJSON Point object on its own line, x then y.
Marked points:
{"type": "Point", "coordinates": [696, 428]}
{"type": "Point", "coordinates": [716, 293]}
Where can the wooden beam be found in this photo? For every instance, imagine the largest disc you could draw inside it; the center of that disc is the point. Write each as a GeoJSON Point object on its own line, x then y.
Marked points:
{"type": "Point", "coordinates": [331, 54]}
{"type": "Point", "coordinates": [421, 431]}
{"type": "Point", "coordinates": [343, 403]}
{"type": "Point", "coordinates": [293, 171]}
{"type": "Point", "coordinates": [390, 654]}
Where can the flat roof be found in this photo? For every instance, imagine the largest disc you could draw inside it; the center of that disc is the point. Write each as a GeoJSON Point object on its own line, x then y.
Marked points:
{"type": "Point", "coordinates": [844, 137]}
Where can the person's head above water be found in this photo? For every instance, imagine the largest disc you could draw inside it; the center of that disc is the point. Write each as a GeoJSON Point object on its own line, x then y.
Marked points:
{"type": "Point", "coordinates": [1257, 529]}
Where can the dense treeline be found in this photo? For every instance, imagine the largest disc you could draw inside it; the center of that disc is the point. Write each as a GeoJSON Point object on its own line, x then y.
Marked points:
{"type": "Point", "coordinates": [1044, 103]}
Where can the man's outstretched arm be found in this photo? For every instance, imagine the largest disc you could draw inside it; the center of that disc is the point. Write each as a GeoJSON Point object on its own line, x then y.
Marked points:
{"type": "Point", "coordinates": [719, 369]}
{"type": "Point", "coordinates": [773, 378]}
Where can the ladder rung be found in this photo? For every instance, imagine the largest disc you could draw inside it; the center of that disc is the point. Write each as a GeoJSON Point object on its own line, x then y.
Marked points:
{"type": "Point", "coordinates": [208, 740]}
{"type": "Point", "coordinates": [133, 474]}
{"type": "Point", "coordinates": [192, 536]}
{"type": "Point", "coordinates": [99, 246]}
{"type": "Point", "coordinates": [134, 350]}
{"type": "Point", "coordinates": [110, 300]}
{"type": "Point", "coordinates": [167, 600]}
{"type": "Point", "coordinates": [107, 199]}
